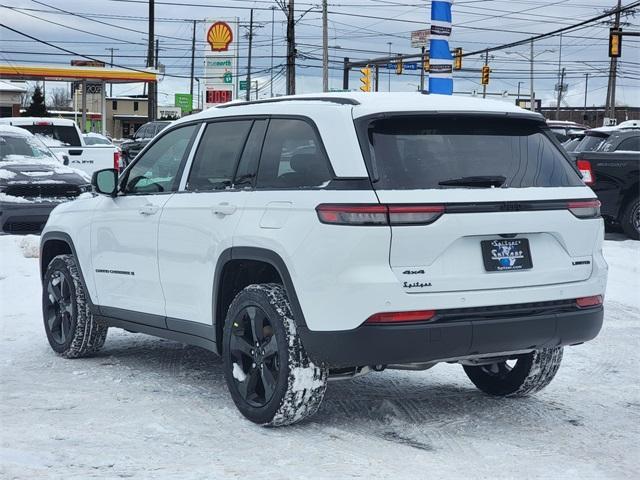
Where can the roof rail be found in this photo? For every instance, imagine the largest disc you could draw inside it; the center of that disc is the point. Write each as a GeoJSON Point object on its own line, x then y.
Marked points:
{"type": "Point", "coordinates": [338, 100]}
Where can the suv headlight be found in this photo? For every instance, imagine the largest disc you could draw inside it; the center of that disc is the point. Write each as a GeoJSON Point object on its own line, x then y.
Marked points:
{"type": "Point", "coordinates": [85, 188]}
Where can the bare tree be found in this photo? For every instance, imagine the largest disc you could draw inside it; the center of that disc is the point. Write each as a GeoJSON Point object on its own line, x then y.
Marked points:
{"type": "Point", "coordinates": [59, 99]}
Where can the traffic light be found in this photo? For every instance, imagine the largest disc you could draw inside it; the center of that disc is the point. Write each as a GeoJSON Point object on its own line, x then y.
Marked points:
{"type": "Point", "coordinates": [399, 66]}
{"type": "Point", "coordinates": [425, 63]}
{"type": "Point", "coordinates": [485, 75]}
{"type": "Point", "coordinates": [615, 42]}
{"type": "Point", "coordinates": [365, 79]}
{"type": "Point", "coordinates": [457, 59]}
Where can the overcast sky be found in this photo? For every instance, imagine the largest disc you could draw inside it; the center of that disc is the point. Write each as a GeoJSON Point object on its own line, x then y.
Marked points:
{"type": "Point", "coordinates": [477, 24]}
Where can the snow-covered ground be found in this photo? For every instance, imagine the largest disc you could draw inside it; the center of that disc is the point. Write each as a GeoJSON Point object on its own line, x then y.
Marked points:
{"type": "Point", "coordinates": [152, 408]}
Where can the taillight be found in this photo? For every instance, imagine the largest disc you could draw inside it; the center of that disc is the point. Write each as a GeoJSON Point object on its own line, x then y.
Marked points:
{"type": "Point", "coordinates": [414, 214]}
{"type": "Point", "coordinates": [588, 302]}
{"type": "Point", "coordinates": [352, 214]}
{"type": "Point", "coordinates": [375, 214]}
{"type": "Point", "coordinates": [401, 317]}
{"type": "Point", "coordinates": [585, 208]}
{"type": "Point", "coordinates": [43, 123]}
{"type": "Point", "coordinates": [116, 160]}
{"type": "Point", "coordinates": [585, 170]}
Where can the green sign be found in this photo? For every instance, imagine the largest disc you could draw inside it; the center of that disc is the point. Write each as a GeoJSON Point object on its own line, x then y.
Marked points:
{"type": "Point", "coordinates": [243, 84]}
{"type": "Point", "coordinates": [227, 77]}
{"type": "Point", "coordinates": [184, 101]}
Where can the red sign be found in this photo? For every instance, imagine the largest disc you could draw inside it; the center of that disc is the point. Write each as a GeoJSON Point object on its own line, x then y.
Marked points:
{"type": "Point", "coordinates": [218, 96]}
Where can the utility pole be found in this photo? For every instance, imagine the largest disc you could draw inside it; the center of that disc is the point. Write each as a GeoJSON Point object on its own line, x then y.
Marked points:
{"type": "Point", "coordinates": [155, 60]}
{"type": "Point", "coordinates": [560, 89]}
{"type": "Point", "coordinates": [151, 96]}
{"type": "Point", "coordinates": [111, 49]}
{"type": "Point", "coordinates": [518, 97]}
{"type": "Point", "coordinates": [377, 70]}
{"type": "Point", "coordinates": [421, 69]}
{"type": "Point", "coordinates": [389, 70]}
{"type": "Point", "coordinates": [532, 97]}
{"type": "Point", "coordinates": [325, 48]}
{"type": "Point", "coordinates": [291, 50]}
{"type": "Point", "coordinates": [193, 59]}
{"type": "Point", "coordinates": [486, 63]}
{"type": "Point", "coordinates": [559, 79]}
{"type": "Point", "coordinates": [273, 9]}
{"type": "Point", "coordinates": [586, 85]}
{"type": "Point", "coordinates": [345, 74]}
{"type": "Point", "coordinates": [610, 107]}
{"type": "Point", "coordinates": [248, 95]}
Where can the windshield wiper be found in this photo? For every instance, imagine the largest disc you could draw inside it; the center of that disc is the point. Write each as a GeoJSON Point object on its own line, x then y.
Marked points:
{"type": "Point", "coordinates": [486, 181]}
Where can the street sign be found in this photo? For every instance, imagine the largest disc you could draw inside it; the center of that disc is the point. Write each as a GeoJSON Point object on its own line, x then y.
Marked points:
{"type": "Point", "coordinates": [406, 66]}
{"type": "Point", "coordinates": [243, 84]}
{"type": "Point", "coordinates": [184, 101]}
{"type": "Point", "coordinates": [419, 38]}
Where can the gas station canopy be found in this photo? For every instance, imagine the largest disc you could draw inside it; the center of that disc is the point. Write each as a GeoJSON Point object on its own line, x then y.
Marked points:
{"type": "Point", "coordinates": [81, 74]}
{"type": "Point", "coordinates": [77, 74]}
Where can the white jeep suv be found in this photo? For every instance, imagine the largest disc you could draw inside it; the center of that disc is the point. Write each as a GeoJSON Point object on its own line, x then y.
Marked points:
{"type": "Point", "coordinates": [311, 237]}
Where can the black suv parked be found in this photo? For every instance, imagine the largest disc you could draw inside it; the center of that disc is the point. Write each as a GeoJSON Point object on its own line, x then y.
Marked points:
{"type": "Point", "coordinates": [143, 135]}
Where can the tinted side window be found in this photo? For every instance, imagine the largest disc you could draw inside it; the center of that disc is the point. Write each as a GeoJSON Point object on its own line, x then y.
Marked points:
{"type": "Point", "coordinates": [217, 155]}
{"type": "Point", "coordinates": [292, 156]}
{"type": "Point", "coordinates": [248, 166]}
{"type": "Point", "coordinates": [156, 171]}
{"type": "Point", "coordinates": [631, 144]}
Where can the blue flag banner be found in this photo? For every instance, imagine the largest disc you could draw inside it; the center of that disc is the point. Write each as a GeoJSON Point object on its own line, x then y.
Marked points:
{"type": "Point", "coordinates": [440, 59]}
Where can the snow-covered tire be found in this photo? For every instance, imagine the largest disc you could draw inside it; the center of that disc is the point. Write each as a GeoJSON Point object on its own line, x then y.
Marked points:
{"type": "Point", "coordinates": [530, 374]}
{"type": "Point", "coordinates": [71, 328]}
{"type": "Point", "coordinates": [630, 219]}
{"type": "Point", "coordinates": [287, 386]}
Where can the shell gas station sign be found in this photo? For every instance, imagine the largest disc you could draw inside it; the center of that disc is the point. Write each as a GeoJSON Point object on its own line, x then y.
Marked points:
{"type": "Point", "coordinates": [220, 62]}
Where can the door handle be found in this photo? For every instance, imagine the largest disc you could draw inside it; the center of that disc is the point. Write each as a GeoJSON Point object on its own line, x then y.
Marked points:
{"type": "Point", "coordinates": [149, 209]}
{"type": "Point", "coordinates": [224, 208]}
{"type": "Point", "coordinates": [75, 152]}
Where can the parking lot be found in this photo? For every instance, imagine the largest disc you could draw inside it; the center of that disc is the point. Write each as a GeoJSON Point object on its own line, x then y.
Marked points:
{"type": "Point", "coordinates": [151, 408]}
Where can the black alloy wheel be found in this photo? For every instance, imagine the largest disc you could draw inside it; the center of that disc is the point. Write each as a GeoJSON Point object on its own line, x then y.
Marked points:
{"type": "Point", "coordinates": [254, 352]}
{"type": "Point", "coordinates": [59, 311]}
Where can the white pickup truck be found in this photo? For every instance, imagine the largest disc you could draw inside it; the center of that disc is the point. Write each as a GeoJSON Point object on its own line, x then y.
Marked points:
{"type": "Point", "coordinates": [64, 138]}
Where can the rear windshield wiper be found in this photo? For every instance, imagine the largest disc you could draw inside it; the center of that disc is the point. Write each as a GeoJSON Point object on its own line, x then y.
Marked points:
{"type": "Point", "coordinates": [476, 181]}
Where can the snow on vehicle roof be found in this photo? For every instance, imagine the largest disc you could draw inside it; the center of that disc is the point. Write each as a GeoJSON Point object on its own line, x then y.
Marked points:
{"type": "Point", "coordinates": [9, 129]}
{"type": "Point", "coordinates": [366, 104]}
{"type": "Point", "coordinates": [37, 120]}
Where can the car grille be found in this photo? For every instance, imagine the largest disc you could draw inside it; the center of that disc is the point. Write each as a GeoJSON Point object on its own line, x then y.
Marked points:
{"type": "Point", "coordinates": [33, 225]}
{"type": "Point", "coordinates": [43, 190]}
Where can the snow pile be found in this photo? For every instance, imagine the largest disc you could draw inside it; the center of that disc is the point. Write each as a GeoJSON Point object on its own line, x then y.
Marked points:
{"type": "Point", "coordinates": [6, 174]}
{"type": "Point", "coordinates": [238, 373]}
{"type": "Point", "coordinates": [30, 246]}
{"type": "Point", "coordinates": [11, 199]}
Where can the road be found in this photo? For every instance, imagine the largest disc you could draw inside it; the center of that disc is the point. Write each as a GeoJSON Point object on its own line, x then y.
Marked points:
{"type": "Point", "coordinates": [152, 408]}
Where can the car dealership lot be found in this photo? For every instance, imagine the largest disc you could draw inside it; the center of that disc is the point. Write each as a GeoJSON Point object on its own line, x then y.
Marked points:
{"type": "Point", "coordinates": [146, 407]}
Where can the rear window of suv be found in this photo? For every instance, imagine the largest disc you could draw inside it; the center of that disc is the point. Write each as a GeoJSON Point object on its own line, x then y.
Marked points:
{"type": "Point", "coordinates": [439, 151]}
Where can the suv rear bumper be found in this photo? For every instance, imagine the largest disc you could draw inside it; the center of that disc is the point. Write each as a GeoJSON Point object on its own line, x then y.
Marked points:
{"type": "Point", "coordinates": [448, 339]}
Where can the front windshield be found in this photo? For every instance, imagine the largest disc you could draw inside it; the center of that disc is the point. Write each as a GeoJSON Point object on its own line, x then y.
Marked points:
{"type": "Point", "coordinates": [18, 147]}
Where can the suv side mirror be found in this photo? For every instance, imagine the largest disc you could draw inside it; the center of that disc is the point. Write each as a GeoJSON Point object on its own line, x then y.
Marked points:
{"type": "Point", "coordinates": [105, 181]}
